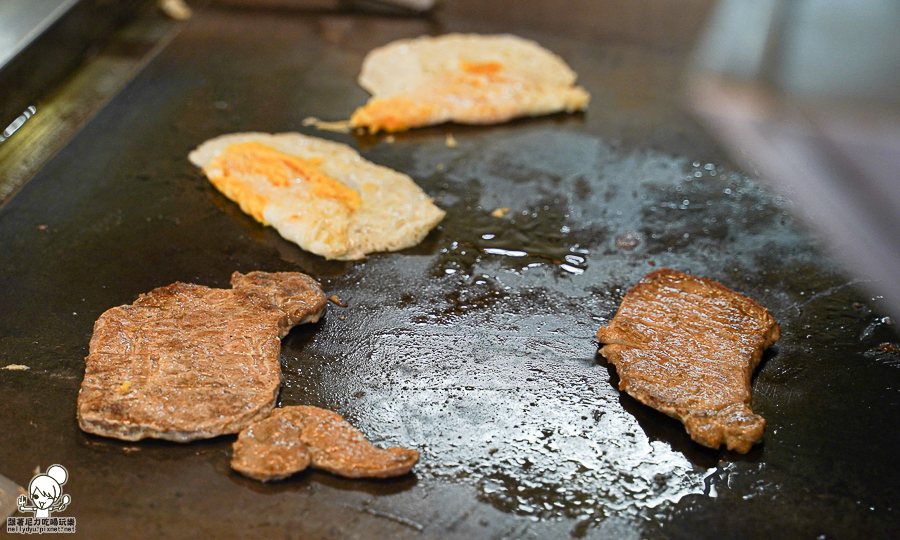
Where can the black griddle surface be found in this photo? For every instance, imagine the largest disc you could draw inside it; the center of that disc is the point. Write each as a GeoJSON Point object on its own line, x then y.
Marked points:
{"type": "Point", "coordinates": [476, 347]}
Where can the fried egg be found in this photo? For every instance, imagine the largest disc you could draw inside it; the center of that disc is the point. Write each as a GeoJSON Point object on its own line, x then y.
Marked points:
{"type": "Point", "coordinates": [319, 194]}
{"type": "Point", "coordinates": [465, 78]}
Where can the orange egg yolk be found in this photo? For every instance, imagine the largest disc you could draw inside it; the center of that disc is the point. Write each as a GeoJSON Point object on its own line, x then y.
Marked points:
{"type": "Point", "coordinates": [281, 170]}
{"type": "Point", "coordinates": [481, 68]}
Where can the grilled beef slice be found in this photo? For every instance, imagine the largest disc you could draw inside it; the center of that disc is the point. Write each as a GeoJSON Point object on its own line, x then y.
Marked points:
{"type": "Point", "coordinates": [292, 437]}
{"type": "Point", "coordinates": [687, 346]}
{"type": "Point", "coordinates": [189, 362]}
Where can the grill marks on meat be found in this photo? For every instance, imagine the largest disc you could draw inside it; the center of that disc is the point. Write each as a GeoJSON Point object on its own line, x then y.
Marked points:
{"type": "Point", "coordinates": [687, 346]}
{"type": "Point", "coordinates": [188, 362]}
{"type": "Point", "coordinates": [293, 437]}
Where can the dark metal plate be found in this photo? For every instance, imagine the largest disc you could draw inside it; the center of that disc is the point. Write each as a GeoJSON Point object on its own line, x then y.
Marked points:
{"type": "Point", "coordinates": [476, 346]}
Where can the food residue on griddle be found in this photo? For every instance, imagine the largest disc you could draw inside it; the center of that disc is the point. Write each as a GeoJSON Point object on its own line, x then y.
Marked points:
{"type": "Point", "coordinates": [687, 346]}
{"type": "Point", "coordinates": [628, 240]}
{"type": "Point", "coordinates": [450, 141]}
{"type": "Point", "coordinates": [17, 367]}
{"type": "Point", "coordinates": [335, 299]}
{"type": "Point", "coordinates": [500, 212]}
{"type": "Point", "coordinates": [340, 126]}
{"type": "Point", "coordinates": [292, 438]}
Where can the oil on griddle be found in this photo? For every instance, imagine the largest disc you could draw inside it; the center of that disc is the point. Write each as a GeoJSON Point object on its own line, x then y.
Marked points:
{"type": "Point", "coordinates": [475, 347]}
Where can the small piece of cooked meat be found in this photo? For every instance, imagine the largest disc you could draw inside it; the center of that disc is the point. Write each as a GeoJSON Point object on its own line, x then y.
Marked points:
{"type": "Point", "coordinates": [687, 346]}
{"type": "Point", "coordinates": [188, 362]}
{"type": "Point", "coordinates": [293, 437]}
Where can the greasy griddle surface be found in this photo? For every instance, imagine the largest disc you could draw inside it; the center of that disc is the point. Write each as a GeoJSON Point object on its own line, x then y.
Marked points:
{"type": "Point", "coordinates": [475, 347]}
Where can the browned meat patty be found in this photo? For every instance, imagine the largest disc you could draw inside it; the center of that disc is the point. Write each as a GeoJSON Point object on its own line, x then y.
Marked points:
{"type": "Point", "coordinates": [687, 346]}
{"type": "Point", "coordinates": [287, 441]}
{"type": "Point", "coordinates": [189, 362]}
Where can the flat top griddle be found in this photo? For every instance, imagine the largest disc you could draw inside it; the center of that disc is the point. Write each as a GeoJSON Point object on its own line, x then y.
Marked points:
{"type": "Point", "coordinates": [476, 347]}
